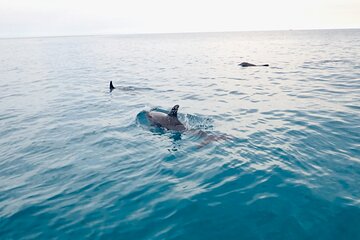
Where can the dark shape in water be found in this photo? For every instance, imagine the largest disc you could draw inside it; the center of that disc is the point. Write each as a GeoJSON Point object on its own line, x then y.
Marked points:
{"type": "Point", "coordinates": [246, 64]}
{"type": "Point", "coordinates": [127, 88]}
{"type": "Point", "coordinates": [111, 86]}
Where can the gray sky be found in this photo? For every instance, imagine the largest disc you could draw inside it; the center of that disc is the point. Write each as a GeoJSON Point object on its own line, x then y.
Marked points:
{"type": "Point", "coordinates": [21, 18]}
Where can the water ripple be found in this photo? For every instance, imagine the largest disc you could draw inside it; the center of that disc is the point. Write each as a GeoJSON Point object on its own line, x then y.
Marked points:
{"type": "Point", "coordinates": [265, 147]}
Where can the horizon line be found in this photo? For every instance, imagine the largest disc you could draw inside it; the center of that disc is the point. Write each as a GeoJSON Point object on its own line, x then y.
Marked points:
{"type": "Point", "coordinates": [190, 32]}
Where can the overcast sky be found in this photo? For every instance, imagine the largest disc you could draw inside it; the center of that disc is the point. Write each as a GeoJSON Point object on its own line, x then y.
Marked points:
{"type": "Point", "coordinates": [21, 18]}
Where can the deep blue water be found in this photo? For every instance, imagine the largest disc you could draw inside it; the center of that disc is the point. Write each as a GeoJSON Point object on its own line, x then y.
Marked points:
{"type": "Point", "coordinates": [271, 152]}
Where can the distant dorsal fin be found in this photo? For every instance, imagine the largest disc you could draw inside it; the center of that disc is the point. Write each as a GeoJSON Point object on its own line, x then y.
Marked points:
{"type": "Point", "coordinates": [173, 111]}
{"type": "Point", "coordinates": [111, 86]}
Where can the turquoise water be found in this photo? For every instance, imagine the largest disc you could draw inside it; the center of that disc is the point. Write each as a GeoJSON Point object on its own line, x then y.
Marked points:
{"type": "Point", "coordinates": [270, 152]}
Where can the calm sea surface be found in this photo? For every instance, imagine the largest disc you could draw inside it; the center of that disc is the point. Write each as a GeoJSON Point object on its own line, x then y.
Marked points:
{"type": "Point", "coordinates": [270, 152]}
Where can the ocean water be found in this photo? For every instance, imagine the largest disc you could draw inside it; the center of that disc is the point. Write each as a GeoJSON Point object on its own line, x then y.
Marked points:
{"type": "Point", "coordinates": [270, 152]}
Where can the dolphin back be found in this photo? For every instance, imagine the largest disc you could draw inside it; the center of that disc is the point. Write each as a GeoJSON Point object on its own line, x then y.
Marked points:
{"type": "Point", "coordinates": [168, 121]}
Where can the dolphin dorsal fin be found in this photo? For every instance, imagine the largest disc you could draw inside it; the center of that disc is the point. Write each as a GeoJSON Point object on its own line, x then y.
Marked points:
{"type": "Point", "coordinates": [173, 111]}
{"type": "Point", "coordinates": [111, 86]}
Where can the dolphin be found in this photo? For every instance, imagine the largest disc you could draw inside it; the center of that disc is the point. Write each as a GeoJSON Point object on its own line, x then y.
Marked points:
{"type": "Point", "coordinates": [111, 86]}
{"type": "Point", "coordinates": [168, 121]}
{"type": "Point", "coordinates": [127, 88]}
{"type": "Point", "coordinates": [246, 64]}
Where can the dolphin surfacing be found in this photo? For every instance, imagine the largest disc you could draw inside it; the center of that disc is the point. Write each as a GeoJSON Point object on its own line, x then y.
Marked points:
{"type": "Point", "coordinates": [246, 64]}
{"type": "Point", "coordinates": [111, 86]}
{"type": "Point", "coordinates": [169, 121]}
